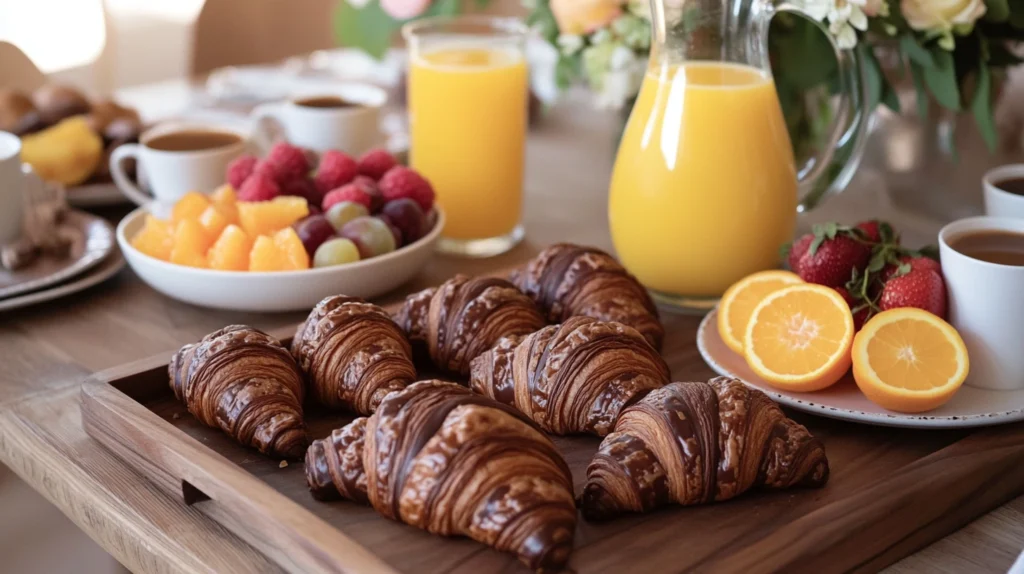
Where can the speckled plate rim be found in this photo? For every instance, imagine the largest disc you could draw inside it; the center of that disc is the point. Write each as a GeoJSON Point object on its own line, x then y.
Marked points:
{"type": "Point", "coordinates": [99, 242]}
{"type": "Point", "coordinates": [989, 407]}
{"type": "Point", "coordinates": [106, 269]}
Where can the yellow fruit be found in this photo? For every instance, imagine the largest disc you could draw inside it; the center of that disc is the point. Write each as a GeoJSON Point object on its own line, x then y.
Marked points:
{"type": "Point", "coordinates": [190, 244]}
{"type": "Point", "coordinates": [226, 199]}
{"type": "Point", "coordinates": [66, 153]}
{"type": "Point", "coordinates": [213, 222]}
{"type": "Point", "coordinates": [908, 360]}
{"type": "Point", "coordinates": [292, 249]}
{"type": "Point", "coordinates": [799, 338]}
{"type": "Point", "coordinates": [190, 206]}
{"type": "Point", "coordinates": [738, 303]}
{"type": "Point", "coordinates": [231, 250]}
{"type": "Point", "coordinates": [266, 256]}
{"type": "Point", "coordinates": [156, 238]}
{"type": "Point", "coordinates": [268, 217]}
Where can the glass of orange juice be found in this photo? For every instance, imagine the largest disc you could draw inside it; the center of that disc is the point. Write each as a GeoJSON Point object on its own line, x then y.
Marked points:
{"type": "Point", "coordinates": [468, 99]}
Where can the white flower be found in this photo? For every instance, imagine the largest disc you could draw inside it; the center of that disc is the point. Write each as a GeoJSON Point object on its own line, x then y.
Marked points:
{"type": "Point", "coordinates": [618, 87]}
{"type": "Point", "coordinates": [569, 44]}
{"type": "Point", "coordinates": [942, 16]}
{"type": "Point", "coordinates": [844, 17]}
{"type": "Point", "coordinates": [622, 58]}
{"type": "Point", "coordinates": [817, 9]}
{"type": "Point", "coordinates": [600, 36]}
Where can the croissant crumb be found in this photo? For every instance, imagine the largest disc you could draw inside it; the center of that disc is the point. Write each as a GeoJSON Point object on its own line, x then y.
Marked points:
{"type": "Point", "coordinates": [439, 457]}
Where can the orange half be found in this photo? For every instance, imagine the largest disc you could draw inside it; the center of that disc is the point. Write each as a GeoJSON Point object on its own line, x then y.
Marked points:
{"type": "Point", "coordinates": [739, 301]}
{"type": "Point", "coordinates": [798, 338]}
{"type": "Point", "coordinates": [908, 360]}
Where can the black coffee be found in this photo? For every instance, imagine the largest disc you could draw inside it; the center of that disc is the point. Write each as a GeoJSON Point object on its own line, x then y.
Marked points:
{"type": "Point", "coordinates": [1002, 247]}
{"type": "Point", "coordinates": [325, 102]}
{"type": "Point", "coordinates": [193, 140]}
{"type": "Point", "coordinates": [1013, 185]}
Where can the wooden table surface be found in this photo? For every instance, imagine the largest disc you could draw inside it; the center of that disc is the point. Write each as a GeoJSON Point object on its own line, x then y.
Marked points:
{"type": "Point", "coordinates": [47, 350]}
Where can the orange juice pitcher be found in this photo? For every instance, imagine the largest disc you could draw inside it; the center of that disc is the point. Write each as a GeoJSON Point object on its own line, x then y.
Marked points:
{"type": "Point", "coordinates": [705, 187]}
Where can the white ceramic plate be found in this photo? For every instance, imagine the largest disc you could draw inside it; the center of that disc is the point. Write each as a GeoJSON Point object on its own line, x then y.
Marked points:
{"type": "Point", "coordinates": [969, 407]}
{"type": "Point", "coordinates": [106, 269]}
{"type": "Point", "coordinates": [94, 242]}
{"type": "Point", "coordinates": [279, 290]}
{"type": "Point", "coordinates": [95, 195]}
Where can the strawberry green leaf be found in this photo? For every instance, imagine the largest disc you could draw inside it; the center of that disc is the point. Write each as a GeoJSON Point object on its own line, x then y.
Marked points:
{"type": "Point", "coordinates": [831, 229]}
{"type": "Point", "coordinates": [902, 270]}
{"type": "Point", "coordinates": [876, 264]}
{"type": "Point", "coordinates": [784, 251]}
{"type": "Point", "coordinates": [886, 232]}
{"type": "Point", "coordinates": [818, 240]}
{"type": "Point", "coordinates": [929, 251]}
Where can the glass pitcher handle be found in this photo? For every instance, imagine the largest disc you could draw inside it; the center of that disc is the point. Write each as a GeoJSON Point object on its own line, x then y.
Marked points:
{"type": "Point", "coordinates": [832, 168]}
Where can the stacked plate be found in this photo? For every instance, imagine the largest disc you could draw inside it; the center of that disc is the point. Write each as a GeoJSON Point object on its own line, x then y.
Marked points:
{"type": "Point", "coordinates": [93, 258]}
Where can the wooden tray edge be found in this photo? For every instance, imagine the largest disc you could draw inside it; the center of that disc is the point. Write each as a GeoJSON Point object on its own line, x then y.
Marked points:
{"type": "Point", "coordinates": [262, 517]}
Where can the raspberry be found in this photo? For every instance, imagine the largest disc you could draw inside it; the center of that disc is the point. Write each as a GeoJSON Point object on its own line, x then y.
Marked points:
{"type": "Point", "coordinates": [348, 192]}
{"type": "Point", "coordinates": [375, 163]}
{"type": "Point", "coordinates": [289, 162]}
{"type": "Point", "coordinates": [303, 188]}
{"type": "Point", "coordinates": [264, 168]}
{"type": "Point", "coordinates": [259, 187]}
{"type": "Point", "coordinates": [240, 169]}
{"type": "Point", "coordinates": [401, 181]}
{"type": "Point", "coordinates": [336, 169]}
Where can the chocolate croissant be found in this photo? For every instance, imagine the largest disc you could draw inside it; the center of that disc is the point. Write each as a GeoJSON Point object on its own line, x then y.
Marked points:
{"type": "Point", "coordinates": [567, 280]}
{"type": "Point", "coordinates": [571, 378]}
{"type": "Point", "coordinates": [353, 354]}
{"type": "Point", "coordinates": [692, 443]}
{"type": "Point", "coordinates": [439, 457]}
{"type": "Point", "coordinates": [241, 380]}
{"type": "Point", "coordinates": [464, 317]}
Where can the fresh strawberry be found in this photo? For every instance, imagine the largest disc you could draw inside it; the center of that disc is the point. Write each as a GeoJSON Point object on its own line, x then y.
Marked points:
{"type": "Point", "coordinates": [832, 256]}
{"type": "Point", "coordinates": [921, 288]}
{"type": "Point", "coordinates": [375, 163]}
{"type": "Point", "coordinates": [240, 169]}
{"type": "Point", "coordinates": [912, 264]}
{"type": "Point", "coordinates": [871, 231]}
{"type": "Point", "coordinates": [861, 310]}
{"type": "Point", "coordinates": [336, 169]}
{"type": "Point", "coordinates": [259, 187]}
{"type": "Point", "coordinates": [401, 181]}
{"type": "Point", "coordinates": [797, 250]}
{"type": "Point", "coordinates": [289, 162]}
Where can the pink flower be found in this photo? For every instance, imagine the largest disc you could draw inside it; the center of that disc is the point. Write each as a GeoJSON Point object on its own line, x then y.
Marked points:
{"type": "Point", "coordinates": [584, 16]}
{"type": "Point", "coordinates": [404, 9]}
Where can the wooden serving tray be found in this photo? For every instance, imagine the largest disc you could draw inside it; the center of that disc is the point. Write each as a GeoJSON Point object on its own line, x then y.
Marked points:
{"type": "Point", "coordinates": [891, 492]}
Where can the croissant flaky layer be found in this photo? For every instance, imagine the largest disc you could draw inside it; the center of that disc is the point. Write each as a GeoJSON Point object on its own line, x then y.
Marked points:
{"type": "Point", "coordinates": [241, 380]}
{"type": "Point", "coordinates": [353, 354]}
{"type": "Point", "coordinates": [441, 458]}
{"type": "Point", "coordinates": [693, 443]}
{"type": "Point", "coordinates": [465, 316]}
{"type": "Point", "coordinates": [567, 280]}
{"type": "Point", "coordinates": [571, 378]}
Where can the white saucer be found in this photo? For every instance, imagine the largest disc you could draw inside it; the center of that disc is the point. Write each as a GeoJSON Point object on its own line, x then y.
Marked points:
{"type": "Point", "coordinates": [970, 407]}
{"type": "Point", "coordinates": [106, 269]}
{"type": "Point", "coordinates": [95, 195]}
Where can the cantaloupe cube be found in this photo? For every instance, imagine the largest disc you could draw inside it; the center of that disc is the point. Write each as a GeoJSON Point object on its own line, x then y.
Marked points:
{"type": "Point", "coordinates": [268, 217]}
{"type": "Point", "coordinates": [231, 250]}
{"type": "Point", "coordinates": [190, 206]}
{"type": "Point", "coordinates": [213, 222]}
{"type": "Point", "coordinates": [156, 238]}
{"type": "Point", "coordinates": [291, 247]}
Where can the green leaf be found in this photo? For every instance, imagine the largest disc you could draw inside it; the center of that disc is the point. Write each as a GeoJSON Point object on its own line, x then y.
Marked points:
{"type": "Point", "coordinates": [941, 80]}
{"type": "Point", "coordinates": [873, 75]}
{"type": "Point", "coordinates": [997, 10]}
{"type": "Point", "coordinates": [784, 251]}
{"type": "Point", "coordinates": [916, 53]}
{"type": "Point", "coordinates": [902, 270]}
{"type": "Point", "coordinates": [981, 107]}
{"type": "Point", "coordinates": [368, 28]}
{"type": "Point", "coordinates": [929, 251]}
{"type": "Point", "coordinates": [876, 265]}
{"type": "Point", "coordinates": [917, 74]}
{"type": "Point", "coordinates": [1017, 13]}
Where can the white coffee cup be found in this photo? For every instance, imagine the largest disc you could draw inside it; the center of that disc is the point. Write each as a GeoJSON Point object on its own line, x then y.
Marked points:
{"type": "Point", "coordinates": [999, 202]}
{"type": "Point", "coordinates": [351, 124]}
{"type": "Point", "coordinates": [171, 168]}
{"type": "Point", "coordinates": [986, 305]}
{"type": "Point", "coordinates": [12, 188]}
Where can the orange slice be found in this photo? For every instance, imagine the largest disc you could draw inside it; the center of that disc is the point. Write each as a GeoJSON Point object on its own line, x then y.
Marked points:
{"type": "Point", "coordinates": [799, 337]}
{"type": "Point", "coordinates": [908, 360]}
{"type": "Point", "coordinates": [739, 301]}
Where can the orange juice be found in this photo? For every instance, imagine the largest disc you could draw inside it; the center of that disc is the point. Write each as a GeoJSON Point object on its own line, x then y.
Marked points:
{"type": "Point", "coordinates": [467, 110]}
{"type": "Point", "coordinates": [704, 189]}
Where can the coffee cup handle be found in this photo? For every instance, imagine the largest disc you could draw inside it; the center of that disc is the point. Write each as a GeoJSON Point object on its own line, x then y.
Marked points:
{"type": "Point", "coordinates": [262, 138]}
{"type": "Point", "coordinates": [124, 183]}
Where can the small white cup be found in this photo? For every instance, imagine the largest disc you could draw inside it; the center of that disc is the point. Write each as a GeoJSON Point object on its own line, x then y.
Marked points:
{"type": "Point", "coordinates": [998, 202]}
{"type": "Point", "coordinates": [353, 129]}
{"type": "Point", "coordinates": [172, 174]}
{"type": "Point", "coordinates": [986, 305]}
{"type": "Point", "coordinates": [12, 188]}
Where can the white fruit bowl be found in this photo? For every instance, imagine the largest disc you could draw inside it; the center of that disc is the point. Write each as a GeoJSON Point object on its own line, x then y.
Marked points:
{"type": "Point", "coordinates": [264, 291]}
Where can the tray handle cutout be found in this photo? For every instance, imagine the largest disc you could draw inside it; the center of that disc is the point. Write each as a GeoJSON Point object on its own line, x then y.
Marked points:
{"type": "Point", "coordinates": [191, 494]}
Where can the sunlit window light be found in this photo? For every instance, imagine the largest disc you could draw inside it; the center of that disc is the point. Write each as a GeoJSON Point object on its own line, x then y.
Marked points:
{"type": "Point", "coordinates": [54, 34]}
